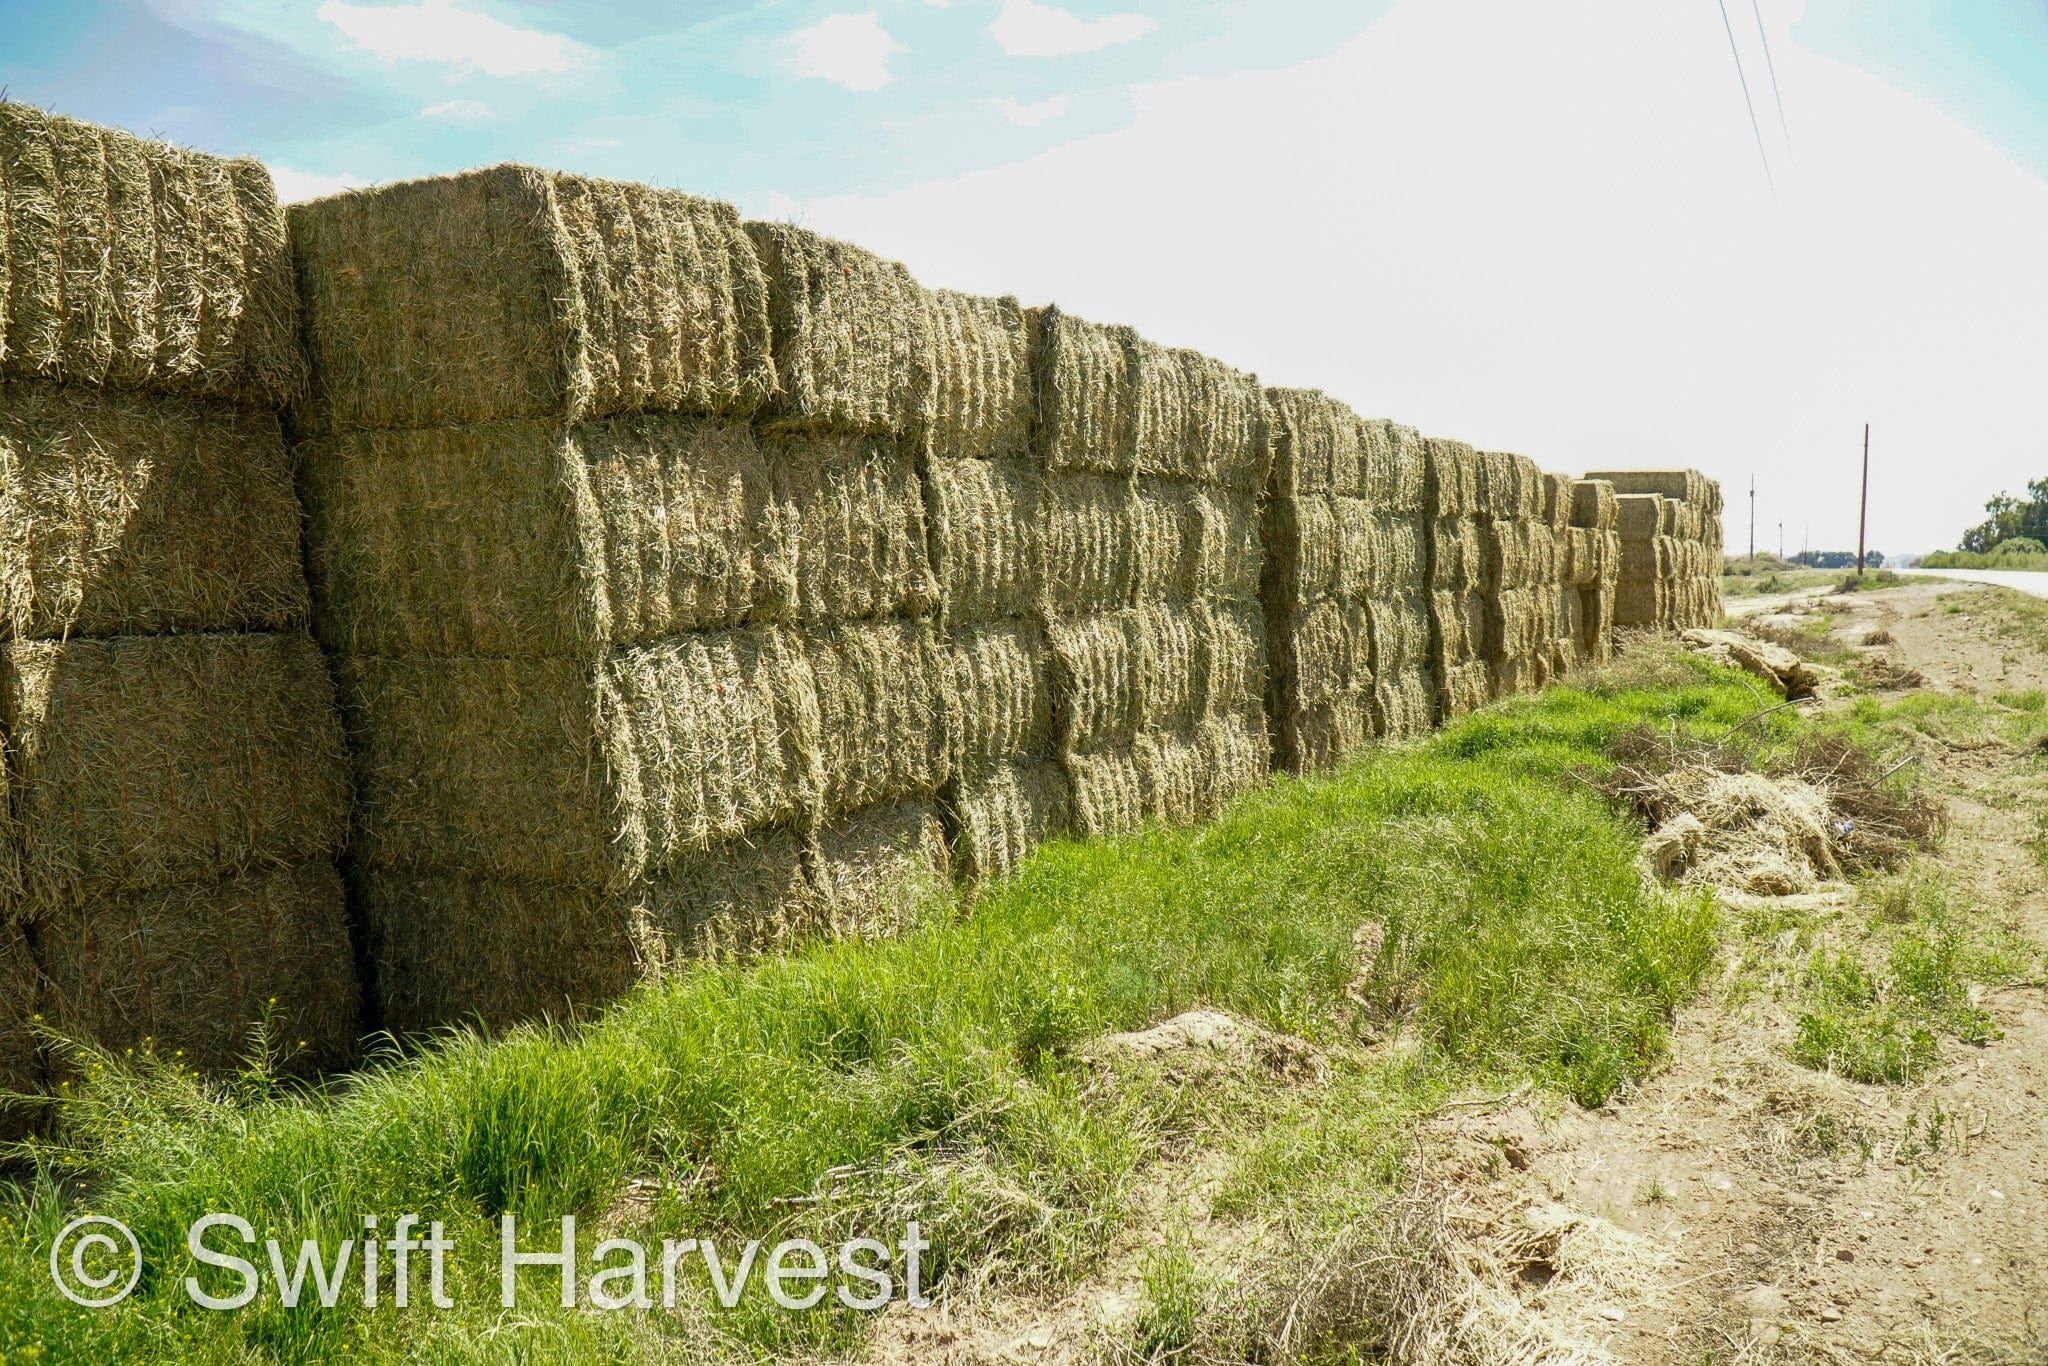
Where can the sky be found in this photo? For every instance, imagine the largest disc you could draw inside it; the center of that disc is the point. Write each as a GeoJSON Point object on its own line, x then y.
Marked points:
{"type": "Point", "coordinates": [1543, 228]}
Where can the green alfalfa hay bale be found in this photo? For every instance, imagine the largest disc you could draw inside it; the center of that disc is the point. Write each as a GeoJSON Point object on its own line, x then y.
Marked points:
{"type": "Point", "coordinates": [1451, 479]}
{"type": "Point", "coordinates": [879, 867]}
{"type": "Point", "coordinates": [513, 292]}
{"type": "Point", "coordinates": [987, 538]}
{"type": "Point", "coordinates": [1457, 628]}
{"type": "Point", "coordinates": [193, 968]}
{"type": "Point", "coordinates": [1313, 435]}
{"type": "Point", "coordinates": [578, 772]}
{"type": "Point", "coordinates": [1300, 533]}
{"type": "Point", "coordinates": [22, 997]}
{"type": "Point", "coordinates": [1195, 542]}
{"type": "Point", "coordinates": [1398, 630]}
{"type": "Point", "coordinates": [1393, 468]}
{"type": "Point", "coordinates": [887, 711]}
{"type": "Point", "coordinates": [982, 398]}
{"type": "Point", "coordinates": [1107, 795]}
{"type": "Point", "coordinates": [1403, 703]}
{"type": "Point", "coordinates": [1231, 658]}
{"type": "Point", "coordinates": [1683, 485]}
{"type": "Point", "coordinates": [1317, 673]}
{"type": "Point", "coordinates": [853, 337]}
{"type": "Point", "coordinates": [1001, 681]}
{"type": "Point", "coordinates": [1091, 527]}
{"type": "Point", "coordinates": [1085, 394]}
{"type": "Point", "coordinates": [136, 265]}
{"type": "Point", "coordinates": [1198, 419]}
{"type": "Point", "coordinates": [1457, 554]}
{"type": "Point", "coordinates": [1510, 486]}
{"type": "Point", "coordinates": [126, 514]}
{"type": "Point", "coordinates": [446, 949]}
{"type": "Point", "coordinates": [1097, 671]}
{"type": "Point", "coordinates": [1000, 817]}
{"type": "Point", "coordinates": [144, 761]}
{"type": "Point", "coordinates": [853, 509]}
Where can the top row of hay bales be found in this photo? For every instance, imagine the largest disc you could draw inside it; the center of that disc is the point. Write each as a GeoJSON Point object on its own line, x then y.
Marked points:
{"type": "Point", "coordinates": [173, 791]}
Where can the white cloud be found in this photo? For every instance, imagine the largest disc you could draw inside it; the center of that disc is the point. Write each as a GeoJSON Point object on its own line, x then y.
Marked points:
{"type": "Point", "coordinates": [1572, 253]}
{"type": "Point", "coordinates": [1032, 115]}
{"type": "Point", "coordinates": [440, 31]}
{"type": "Point", "coordinates": [458, 111]}
{"type": "Point", "coordinates": [852, 50]}
{"type": "Point", "coordinates": [1026, 28]}
{"type": "Point", "coordinates": [293, 186]}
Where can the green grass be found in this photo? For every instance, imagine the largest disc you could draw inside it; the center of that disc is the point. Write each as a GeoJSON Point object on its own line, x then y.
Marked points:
{"type": "Point", "coordinates": [1963, 559]}
{"type": "Point", "coordinates": [936, 1076]}
{"type": "Point", "coordinates": [1766, 581]}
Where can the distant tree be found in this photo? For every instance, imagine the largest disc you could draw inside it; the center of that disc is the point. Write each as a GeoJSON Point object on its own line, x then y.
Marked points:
{"type": "Point", "coordinates": [2020, 545]}
{"type": "Point", "coordinates": [2011, 517]}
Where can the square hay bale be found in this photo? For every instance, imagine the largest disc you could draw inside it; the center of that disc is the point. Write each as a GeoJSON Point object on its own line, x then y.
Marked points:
{"type": "Point", "coordinates": [513, 292]}
{"type": "Point", "coordinates": [1457, 554]}
{"type": "Point", "coordinates": [1464, 688]}
{"type": "Point", "coordinates": [1398, 628]}
{"type": "Point", "coordinates": [1176, 784]}
{"type": "Point", "coordinates": [1593, 504]}
{"type": "Point", "coordinates": [447, 949]}
{"type": "Point", "coordinates": [987, 537]}
{"type": "Point", "coordinates": [1230, 659]}
{"type": "Point", "coordinates": [1382, 552]}
{"type": "Point", "coordinates": [1404, 703]}
{"type": "Point", "coordinates": [1107, 795]}
{"type": "Point", "coordinates": [1085, 392]}
{"type": "Point", "coordinates": [136, 265]}
{"type": "Point", "coordinates": [1518, 623]}
{"type": "Point", "coordinates": [1195, 542]}
{"type": "Point", "coordinates": [144, 761]}
{"type": "Point", "coordinates": [582, 773]}
{"type": "Point", "coordinates": [1313, 436]}
{"type": "Point", "coordinates": [853, 337]}
{"type": "Point", "coordinates": [1095, 670]}
{"type": "Point", "coordinates": [1510, 486]}
{"type": "Point", "coordinates": [1302, 556]}
{"type": "Point", "coordinates": [1199, 419]}
{"type": "Point", "coordinates": [887, 713]}
{"type": "Point", "coordinates": [1393, 471]}
{"type": "Point", "coordinates": [1231, 538]}
{"type": "Point", "coordinates": [1557, 501]}
{"type": "Point", "coordinates": [22, 995]}
{"type": "Point", "coordinates": [127, 514]}
{"type": "Point", "coordinates": [1639, 516]}
{"type": "Point", "coordinates": [1002, 816]}
{"type": "Point", "coordinates": [1596, 614]}
{"type": "Point", "coordinates": [194, 965]}
{"type": "Point", "coordinates": [981, 355]}
{"type": "Point", "coordinates": [1451, 478]}
{"type": "Point", "coordinates": [1091, 526]}
{"type": "Point", "coordinates": [1458, 625]}
{"type": "Point", "coordinates": [853, 509]}
{"type": "Point", "coordinates": [1317, 693]}
{"type": "Point", "coordinates": [1519, 674]}
{"type": "Point", "coordinates": [1000, 676]}
{"type": "Point", "coordinates": [878, 867]}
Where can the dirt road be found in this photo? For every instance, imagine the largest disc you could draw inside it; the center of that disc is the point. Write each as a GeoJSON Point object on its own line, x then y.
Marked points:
{"type": "Point", "coordinates": [2034, 584]}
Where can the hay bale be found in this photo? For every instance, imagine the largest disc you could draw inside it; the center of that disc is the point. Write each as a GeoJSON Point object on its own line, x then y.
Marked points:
{"type": "Point", "coordinates": [1321, 674]}
{"type": "Point", "coordinates": [1457, 554]}
{"type": "Point", "coordinates": [1230, 659]}
{"type": "Point", "coordinates": [1195, 542]}
{"type": "Point", "coordinates": [987, 537]}
{"type": "Point", "coordinates": [853, 337]}
{"type": "Point", "coordinates": [1639, 516]}
{"type": "Point", "coordinates": [1398, 629]}
{"type": "Point", "coordinates": [513, 292]}
{"type": "Point", "coordinates": [887, 715]}
{"type": "Point", "coordinates": [1381, 552]}
{"type": "Point", "coordinates": [125, 514]}
{"type": "Point", "coordinates": [853, 509]}
{"type": "Point", "coordinates": [877, 867]}
{"type": "Point", "coordinates": [981, 355]}
{"type": "Point", "coordinates": [136, 265]}
{"type": "Point", "coordinates": [145, 761]}
{"type": "Point", "coordinates": [1098, 667]}
{"type": "Point", "coordinates": [446, 948]}
{"type": "Point", "coordinates": [21, 1057]}
{"type": "Point", "coordinates": [1000, 679]}
{"type": "Point", "coordinates": [1393, 470]}
{"type": "Point", "coordinates": [563, 771]}
{"type": "Point", "coordinates": [1517, 623]}
{"type": "Point", "coordinates": [1106, 794]}
{"type": "Point", "coordinates": [1198, 419]}
{"type": "Point", "coordinates": [1085, 393]}
{"type": "Point", "coordinates": [1557, 501]}
{"type": "Point", "coordinates": [1451, 478]}
{"type": "Point", "coordinates": [1510, 486]}
{"type": "Point", "coordinates": [1313, 436]}
{"type": "Point", "coordinates": [1092, 525]}
{"type": "Point", "coordinates": [1302, 556]}
{"type": "Point", "coordinates": [1593, 504]}
{"type": "Point", "coordinates": [1685, 486]}
{"type": "Point", "coordinates": [1001, 816]}
{"type": "Point", "coordinates": [1404, 703]}
{"type": "Point", "coordinates": [194, 965]}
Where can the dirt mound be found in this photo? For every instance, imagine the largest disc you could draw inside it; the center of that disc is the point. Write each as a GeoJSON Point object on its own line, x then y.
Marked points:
{"type": "Point", "coordinates": [1201, 1040]}
{"type": "Point", "coordinates": [1783, 670]}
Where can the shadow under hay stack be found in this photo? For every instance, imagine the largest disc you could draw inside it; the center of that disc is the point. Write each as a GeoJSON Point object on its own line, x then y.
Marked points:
{"type": "Point", "coordinates": [175, 791]}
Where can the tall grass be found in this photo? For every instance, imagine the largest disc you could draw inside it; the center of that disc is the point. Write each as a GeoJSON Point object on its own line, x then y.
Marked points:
{"type": "Point", "coordinates": [933, 1075]}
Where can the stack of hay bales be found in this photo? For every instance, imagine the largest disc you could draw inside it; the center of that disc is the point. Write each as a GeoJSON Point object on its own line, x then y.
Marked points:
{"type": "Point", "coordinates": [1519, 555]}
{"type": "Point", "coordinates": [175, 791]}
{"type": "Point", "coordinates": [635, 643]}
{"type": "Point", "coordinates": [1567, 608]}
{"type": "Point", "coordinates": [1454, 505]}
{"type": "Point", "coordinates": [1151, 463]}
{"type": "Point", "coordinates": [988, 508]}
{"type": "Point", "coordinates": [1346, 559]}
{"type": "Point", "coordinates": [1672, 548]}
{"type": "Point", "coordinates": [1595, 565]}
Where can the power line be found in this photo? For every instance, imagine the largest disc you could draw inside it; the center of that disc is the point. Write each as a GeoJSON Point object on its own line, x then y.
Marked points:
{"type": "Point", "coordinates": [1771, 67]}
{"type": "Point", "coordinates": [1748, 103]}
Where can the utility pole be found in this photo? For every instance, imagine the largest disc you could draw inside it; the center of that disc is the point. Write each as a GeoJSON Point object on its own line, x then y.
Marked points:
{"type": "Point", "coordinates": [1863, 513]}
{"type": "Point", "coordinates": [1752, 521]}
{"type": "Point", "coordinates": [1781, 538]}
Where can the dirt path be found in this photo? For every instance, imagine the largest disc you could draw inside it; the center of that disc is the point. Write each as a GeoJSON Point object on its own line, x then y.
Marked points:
{"type": "Point", "coordinates": [1809, 1218]}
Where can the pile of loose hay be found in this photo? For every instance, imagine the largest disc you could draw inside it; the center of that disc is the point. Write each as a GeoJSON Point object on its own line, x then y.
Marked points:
{"type": "Point", "coordinates": [173, 791]}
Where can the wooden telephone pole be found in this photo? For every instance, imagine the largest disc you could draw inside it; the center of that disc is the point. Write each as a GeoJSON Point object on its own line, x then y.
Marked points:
{"type": "Point", "coordinates": [1752, 523]}
{"type": "Point", "coordinates": [1863, 513]}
